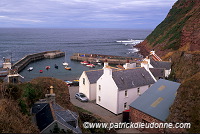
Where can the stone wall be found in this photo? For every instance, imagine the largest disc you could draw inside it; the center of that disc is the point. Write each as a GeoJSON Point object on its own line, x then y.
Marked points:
{"type": "Point", "coordinates": [138, 116]}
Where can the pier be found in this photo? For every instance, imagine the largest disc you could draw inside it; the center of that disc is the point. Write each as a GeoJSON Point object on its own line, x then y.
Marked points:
{"type": "Point", "coordinates": [22, 63]}
{"type": "Point", "coordinates": [101, 58]}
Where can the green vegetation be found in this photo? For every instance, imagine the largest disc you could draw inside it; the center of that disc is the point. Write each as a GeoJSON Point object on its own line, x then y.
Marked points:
{"type": "Point", "coordinates": [169, 30]}
{"type": "Point", "coordinates": [17, 99]}
{"type": "Point", "coordinates": [186, 105]}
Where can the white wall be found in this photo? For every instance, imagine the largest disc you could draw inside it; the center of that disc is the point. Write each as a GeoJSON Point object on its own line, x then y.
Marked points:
{"type": "Point", "coordinates": [167, 72]}
{"type": "Point", "coordinates": [7, 65]}
{"type": "Point", "coordinates": [132, 95]}
{"type": "Point", "coordinates": [108, 93]}
{"type": "Point", "coordinates": [93, 91]}
{"type": "Point", "coordinates": [84, 88]}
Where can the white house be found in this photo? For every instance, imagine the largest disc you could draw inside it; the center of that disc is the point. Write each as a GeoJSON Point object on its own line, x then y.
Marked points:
{"type": "Point", "coordinates": [88, 79]}
{"type": "Point", "coordinates": [128, 65]}
{"type": "Point", "coordinates": [151, 62]}
{"type": "Point", "coordinates": [117, 89]}
{"type": "Point", "coordinates": [87, 83]}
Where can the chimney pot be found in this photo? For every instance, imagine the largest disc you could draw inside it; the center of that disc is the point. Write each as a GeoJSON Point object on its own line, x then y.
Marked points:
{"type": "Point", "coordinates": [51, 89]}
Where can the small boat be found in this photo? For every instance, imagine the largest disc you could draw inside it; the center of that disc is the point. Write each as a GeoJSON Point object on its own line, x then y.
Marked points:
{"type": "Point", "coordinates": [68, 68]}
{"type": "Point", "coordinates": [48, 67]}
{"type": "Point", "coordinates": [30, 69]}
{"type": "Point", "coordinates": [90, 65]}
{"type": "Point", "coordinates": [98, 62]}
{"type": "Point", "coordinates": [41, 71]}
{"type": "Point", "coordinates": [65, 64]}
{"type": "Point", "coordinates": [84, 62]}
{"type": "Point", "coordinates": [56, 66]}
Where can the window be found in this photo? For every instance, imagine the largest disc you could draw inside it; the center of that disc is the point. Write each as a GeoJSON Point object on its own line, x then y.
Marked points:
{"type": "Point", "coordinates": [84, 81]}
{"type": "Point", "coordinates": [126, 93]}
{"type": "Point", "coordinates": [125, 105]}
{"type": "Point", "coordinates": [138, 91]}
{"type": "Point", "coordinates": [99, 87]}
{"type": "Point", "coordinates": [99, 98]}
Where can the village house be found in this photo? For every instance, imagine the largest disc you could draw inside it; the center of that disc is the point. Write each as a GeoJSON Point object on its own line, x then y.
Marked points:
{"type": "Point", "coordinates": [52, 118]}
{"type": "Point", "coordinates": [153, 61]}
{"type": "Point", "coordinates": [87, 82]}
{"type": "Point", "coordinates": [154, 104]}
{"type": "Point", "coordinates": [116, 89]}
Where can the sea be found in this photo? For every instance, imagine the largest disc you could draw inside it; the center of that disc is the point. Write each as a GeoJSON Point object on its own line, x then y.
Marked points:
{"type": "Point", "coordinates": [16, 43]}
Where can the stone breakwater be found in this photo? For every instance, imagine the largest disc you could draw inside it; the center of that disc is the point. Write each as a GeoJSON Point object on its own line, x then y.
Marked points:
{"type": "Point", "coordinates": [101, 58]}
{"type": "Point", "coordinates": [22, 63]}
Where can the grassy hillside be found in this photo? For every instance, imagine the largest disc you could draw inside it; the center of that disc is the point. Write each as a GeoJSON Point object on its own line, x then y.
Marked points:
{"type": "Point", "coordinates": [186, 105]}
{"type": "Point", "coordinates": [16, 101]}
{"type": "Point", "coordinates": [12, 120]}
{"type": "Point", "coordinates": [180, 30]}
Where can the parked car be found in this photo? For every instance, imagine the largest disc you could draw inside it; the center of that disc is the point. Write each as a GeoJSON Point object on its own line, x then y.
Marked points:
{"type": "Point", "coordinates": [81, 97]}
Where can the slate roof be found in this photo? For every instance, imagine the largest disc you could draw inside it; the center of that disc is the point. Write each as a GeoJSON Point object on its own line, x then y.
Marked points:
{"type": "Point", "coordinates": [37, 107]}
{"type": "Point", "coordinates": [132, 78]}
{"type": "Point", "coordinates": [157, 100]}
{"type": "Point", "coordinates": [46, 113]}
{"type": "Point", "coordinates": [158, 72]}
{"type": "Point", "coordinates": [94, 75]}
{"type": "Point", "coordinates": [161, 64]}
{"type": "Point", "coordinates": [44, 117]}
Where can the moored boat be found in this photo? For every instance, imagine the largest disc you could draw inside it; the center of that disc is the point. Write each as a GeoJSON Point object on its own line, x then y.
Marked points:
{"type": "Point", "coordinates": [68, 68]}
{"type": "Point", "coordinates": [90, 65]}
{"type": "Point", "coordinates": [56, 66]}
{"type": "Point", "coordinates": [30, 69]}
{"type": "Point", "coordinates": [84, 62]}
{"type": "Point", "coordinates": [65, 64]}
{"type": "Point", "coordinates": [48, 67]}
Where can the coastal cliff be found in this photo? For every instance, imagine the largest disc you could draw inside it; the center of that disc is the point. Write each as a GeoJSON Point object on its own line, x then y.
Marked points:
{"type": "Point", "coordinates": [177, 38]}
{"type": "Point", "coordinates": [180, 30]}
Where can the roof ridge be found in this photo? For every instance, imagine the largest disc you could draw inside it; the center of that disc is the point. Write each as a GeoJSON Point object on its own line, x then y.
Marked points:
{"type": "Point", "coordinates": [93, 70]}
{"type": "Point", "coordinates": [127, 69]}
{"type": "Point", "coordinates": [52, 111]}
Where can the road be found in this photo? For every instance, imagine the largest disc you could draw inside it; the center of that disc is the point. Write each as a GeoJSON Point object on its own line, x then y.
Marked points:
{"type": "Point", "coordinates": [104, 114]}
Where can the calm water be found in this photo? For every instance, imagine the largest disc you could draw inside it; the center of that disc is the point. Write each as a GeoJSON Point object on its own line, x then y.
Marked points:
{"type": "Point", "coordinates": [20, 42]}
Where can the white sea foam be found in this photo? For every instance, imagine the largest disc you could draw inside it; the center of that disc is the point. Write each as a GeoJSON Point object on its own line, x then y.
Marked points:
{"type": "Point", "coordinates": [133, 50]}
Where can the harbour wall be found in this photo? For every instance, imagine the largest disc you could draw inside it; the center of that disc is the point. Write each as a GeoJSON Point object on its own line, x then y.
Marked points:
{"type": "Point", "coordinates": [22, 63]}
{"type": "Point", "coordinates": [101, 58]}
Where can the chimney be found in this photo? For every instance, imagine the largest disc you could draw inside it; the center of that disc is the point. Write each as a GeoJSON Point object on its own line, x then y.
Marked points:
{"type": "Point", "coordinates": [105, 63]}
{"type": "Point", "coordinates": [152, 52]}
{"type": "Point", "coordinates": [127, 64]}
{"type": "Point", "coordinates": [145, 65]}
{"type": "Point", "coordinates": [51, 96]}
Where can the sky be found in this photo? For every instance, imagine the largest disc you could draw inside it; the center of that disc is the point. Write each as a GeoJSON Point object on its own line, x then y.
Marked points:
{"type": "Point", "coordinates": [133, 14]}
